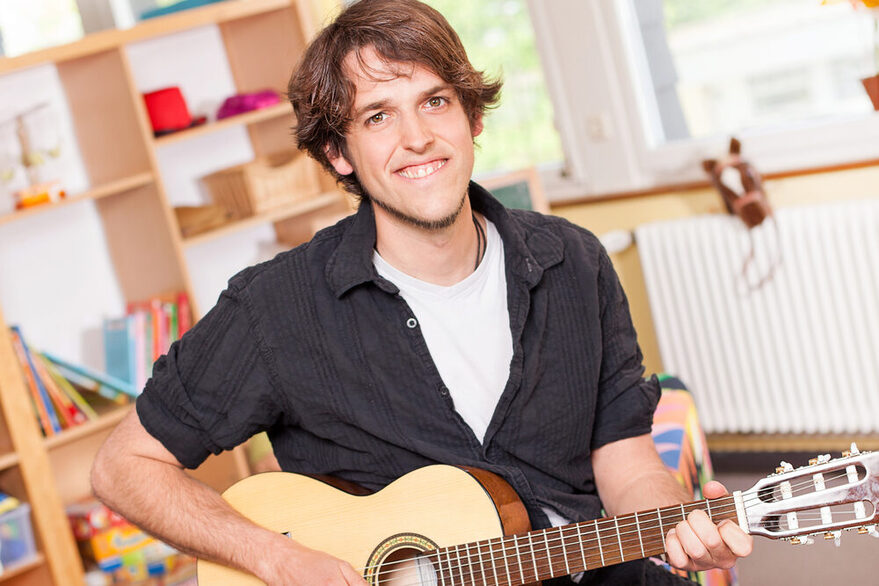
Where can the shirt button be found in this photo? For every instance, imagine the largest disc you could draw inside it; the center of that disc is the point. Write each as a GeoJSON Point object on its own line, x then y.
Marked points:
{"type": "Point", "coordinates": [444, 390]}
{"type": "Point", "coordinates": [411, 322]}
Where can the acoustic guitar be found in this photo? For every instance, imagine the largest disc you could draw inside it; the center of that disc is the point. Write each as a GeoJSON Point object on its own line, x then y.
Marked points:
{"type": "Point", "coordinates": [445, 526]}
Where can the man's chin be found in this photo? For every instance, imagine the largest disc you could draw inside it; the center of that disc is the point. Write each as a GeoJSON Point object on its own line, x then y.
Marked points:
{"type": "Point", "coordinates": [437, 222]}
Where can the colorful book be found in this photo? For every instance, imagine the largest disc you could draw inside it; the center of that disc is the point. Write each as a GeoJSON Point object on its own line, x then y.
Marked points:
{"type": "Point", "coordinates": [68, 411]}
{"type": "Point", "coordinates": [69, 390]}
{"type": "Point", "coordinates": [104, 380]}
{"type": "Point", "coordinates": [45, 409]}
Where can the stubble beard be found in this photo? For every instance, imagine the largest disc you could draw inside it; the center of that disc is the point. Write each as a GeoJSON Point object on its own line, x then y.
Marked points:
{"type": "Point", "coordinates": [431, 225]}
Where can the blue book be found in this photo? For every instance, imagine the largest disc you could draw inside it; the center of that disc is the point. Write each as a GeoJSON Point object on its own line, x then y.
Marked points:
{"type": "Point", "coordinates": [41, 388]}
{"type": "Point", "coordinates": [103, 379]}
{"type": "Point", "coordinates": [119, 348]}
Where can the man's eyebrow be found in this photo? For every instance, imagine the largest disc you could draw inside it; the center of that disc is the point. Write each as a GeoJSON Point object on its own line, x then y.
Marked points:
{"type": "Point", "coordinates": [382, 104]}
{"type": "Point", "coordinates": [379, 105]}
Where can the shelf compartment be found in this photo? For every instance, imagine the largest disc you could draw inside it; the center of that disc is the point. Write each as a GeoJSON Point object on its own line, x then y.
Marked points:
{"type": "Point", "coordinates": [270, 113]}
{"type": "Point", "coordinates": [108, 189]}
{"type": "Point", "coordinates": [281, 213]}
{"type": "Point", "coordinates": [140, 242]}
{"type": "Point", "coordinates": [78, 432]}
{"type": "Point", "coordinates": [111, 39]}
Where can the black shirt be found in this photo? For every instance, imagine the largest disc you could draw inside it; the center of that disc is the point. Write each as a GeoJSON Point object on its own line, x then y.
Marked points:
{"type": "Point", "coordinates": [319, 350]}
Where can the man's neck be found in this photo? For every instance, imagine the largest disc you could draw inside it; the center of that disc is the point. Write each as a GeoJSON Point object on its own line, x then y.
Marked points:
{"type": "Point", "coordinates": [442, 256]}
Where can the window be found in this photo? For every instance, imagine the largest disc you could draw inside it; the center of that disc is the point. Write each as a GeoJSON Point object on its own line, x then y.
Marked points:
{"type": "Point", "coordinates": [499, 40]}
{"type": "Point", "coordinates": [35, 24]}
{"type": "Point", "coordinates": [648, 88]}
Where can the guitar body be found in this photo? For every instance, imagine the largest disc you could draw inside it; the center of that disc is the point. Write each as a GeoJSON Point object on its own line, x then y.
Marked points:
{"type": "Point", "coordinates": [432, 507]}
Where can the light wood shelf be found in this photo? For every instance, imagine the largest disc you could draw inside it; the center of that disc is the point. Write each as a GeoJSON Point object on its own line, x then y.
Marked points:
{"type": "Point", "coordinates": [101, 191]}
{"type": "Point", "coordinates": [9, 460]}
{"type": "Point", "coordinates": [73, 434]}
{"type": "Point", "coordinates": [113, 39]}
{"type": "Point", "coordinates": [143, 241]}
{"type": "Point", "coordinates": [289, 211]}
{"type": "Point", "coordinates": [276, 111]}
{"type": "Point", "coordinates": [17, 570]}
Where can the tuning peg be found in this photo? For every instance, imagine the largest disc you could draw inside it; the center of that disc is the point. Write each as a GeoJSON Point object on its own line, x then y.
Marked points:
{"type": "Point", "coordinates": [871, 529]}
{"type": "Point", "coordinates": [854, 451]}
{"type": "Point", "coordinates": [784, 467]}
{"type": "Point", "coordinates": [802, 540]}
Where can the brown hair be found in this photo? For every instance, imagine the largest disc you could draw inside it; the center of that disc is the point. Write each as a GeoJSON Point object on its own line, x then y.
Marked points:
{"type": "Point", "coordinates": [404, 31]}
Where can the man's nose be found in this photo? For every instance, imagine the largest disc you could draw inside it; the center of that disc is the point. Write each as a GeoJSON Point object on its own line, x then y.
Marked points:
{"type": "Point", "coordinates": [416, 133]}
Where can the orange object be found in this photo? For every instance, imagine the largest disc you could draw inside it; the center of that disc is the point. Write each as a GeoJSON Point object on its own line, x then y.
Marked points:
{"type": "Point", "coordinates": [39, 194]}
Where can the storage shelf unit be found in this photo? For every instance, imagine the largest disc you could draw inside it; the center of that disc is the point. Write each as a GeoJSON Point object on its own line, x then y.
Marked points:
{"type": "Point", "coordinates": [129, 193]}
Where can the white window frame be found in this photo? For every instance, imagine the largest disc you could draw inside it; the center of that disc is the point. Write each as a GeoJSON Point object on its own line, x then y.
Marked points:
{"type": "Point", "coordinates": [594, 74]}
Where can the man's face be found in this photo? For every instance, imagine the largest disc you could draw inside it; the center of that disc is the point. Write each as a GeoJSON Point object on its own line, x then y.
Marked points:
{"type": "Point", "coordinates": [410, 142]}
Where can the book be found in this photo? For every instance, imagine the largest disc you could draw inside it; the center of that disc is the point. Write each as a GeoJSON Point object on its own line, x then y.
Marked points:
{"type": "Point", "coordinates": [69, 390]}
{"type": "Point", "coordinates": [104, 380]}
{"type": "Point", "coordinates": [119, 348]}
{"type": "Point", "coordinates": [68, 412]}
{"type": "Point", "coordinates": [45, 410]}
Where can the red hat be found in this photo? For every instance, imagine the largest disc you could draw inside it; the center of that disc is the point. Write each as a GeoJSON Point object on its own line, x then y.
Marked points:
{"type": "Point", "coordinates": [168, 111]}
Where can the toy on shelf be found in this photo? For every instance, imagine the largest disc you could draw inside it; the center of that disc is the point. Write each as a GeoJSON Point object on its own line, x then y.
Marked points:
{"type": "Point", "coordinates": [30, 159]}
{"type": "Point", "coordinates": [168, 112]}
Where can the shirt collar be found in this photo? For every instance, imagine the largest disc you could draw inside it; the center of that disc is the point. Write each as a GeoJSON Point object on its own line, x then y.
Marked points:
{"type": "Point", "coordinates": [526, 255]}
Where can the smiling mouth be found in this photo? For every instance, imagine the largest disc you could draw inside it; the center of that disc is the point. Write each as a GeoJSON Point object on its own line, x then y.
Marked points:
{"type": "Point", "coordinates": [422, 171]}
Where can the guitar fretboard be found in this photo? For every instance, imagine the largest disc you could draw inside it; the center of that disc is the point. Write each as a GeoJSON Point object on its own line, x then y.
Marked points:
{"type": "Point", "coordinates": [547, 553]}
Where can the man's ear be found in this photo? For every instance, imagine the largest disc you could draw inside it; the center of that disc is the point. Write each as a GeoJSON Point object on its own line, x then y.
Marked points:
{"type": "Point", "coordinates": [476, 127]}
{"type": "Point", "coordinates": [338, 161]}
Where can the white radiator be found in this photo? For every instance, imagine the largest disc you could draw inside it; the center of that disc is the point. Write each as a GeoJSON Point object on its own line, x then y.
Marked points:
{"type": "Point", "coordinates": [800, 354]}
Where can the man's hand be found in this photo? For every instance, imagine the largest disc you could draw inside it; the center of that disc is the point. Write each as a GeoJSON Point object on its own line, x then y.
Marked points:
{"type": "Point", "coordinates": [698, 544]}
{"type": "Point", "coordinates": [309, 567]}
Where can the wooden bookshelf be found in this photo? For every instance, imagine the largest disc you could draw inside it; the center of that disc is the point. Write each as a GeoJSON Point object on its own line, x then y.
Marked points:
{"type": "Point", "coordinates": [106, 190]}
{"type": "Point", "coordinates": [143, 240]}
{"type": "Point", "coordinates": [289, 211]}
{"type": "Point", "coordinates": [283, 109]}
{"type": "Point", "coordinates": [104, 422]}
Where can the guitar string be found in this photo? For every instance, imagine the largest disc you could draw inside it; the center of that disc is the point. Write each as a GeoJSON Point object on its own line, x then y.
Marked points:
{"type": "Point", "coordinates": [559, 545]}
{"type": "Point", "coordinates": [470, 569]}
{"type": "Point", "coordinates": [652, 525]}
{"type": "Point", "coordinates": [722, 505]}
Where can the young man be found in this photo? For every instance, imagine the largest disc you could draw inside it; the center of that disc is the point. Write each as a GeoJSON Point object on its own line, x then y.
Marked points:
{"type": "Point", "coordinates": [433, 326]}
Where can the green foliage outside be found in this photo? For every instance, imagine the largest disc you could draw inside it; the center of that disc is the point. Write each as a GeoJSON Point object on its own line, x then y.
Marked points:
{"type": "Point", "coordinates": [500, 41]}
{"type": "Point", "coordinates": [678, 12]}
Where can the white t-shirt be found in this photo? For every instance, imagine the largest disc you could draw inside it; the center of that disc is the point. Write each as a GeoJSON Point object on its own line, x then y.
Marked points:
{"type": "Point", "coordinates": [467, 330]}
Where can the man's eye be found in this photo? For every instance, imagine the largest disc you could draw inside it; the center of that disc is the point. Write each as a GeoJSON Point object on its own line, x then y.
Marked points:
{"type": "Point", "coordinates": [436, 102]}
{"type": "Point", "coordinates": [377, 118]}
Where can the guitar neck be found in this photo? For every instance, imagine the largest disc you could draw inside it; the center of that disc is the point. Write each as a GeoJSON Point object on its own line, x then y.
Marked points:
{"type": "Point", "coordinates": [559, 551]}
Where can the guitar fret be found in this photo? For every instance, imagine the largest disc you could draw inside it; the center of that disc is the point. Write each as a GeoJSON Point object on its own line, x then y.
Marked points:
{"type": "Point", "coordinates": [582, 547]}
{"type": "Point", "coordinates": [640, 540]}
{"type": "Point", "coordinates": [506, 565]}
{"type": "Point", "coordinates": [468, 564]}
{"type": "Point", "coordinates": [493, 564]}
{"type": "Point", "coordinates": [518, 557]}
{"type": "Point", "coordinates": [548, 551]}
{"type": "Point", "coordinates": [564, 551]}
{"type": "Point", "coordinates": [708, 504]}
{"type": "Point", "coordinates": [598, 534]}
{"type": "Point", "coordinates": [533, 555]}
{"type": "Point", "coordinates": [457, 564]}
{"type": "Point", "coordinates": [683, 513]}
{"type": "Point", "coordinates": [481, 566]}
{"type": "Point", "coordinates": [661, 528]}
{"type": "Point", "coordinates": [439, 567]}
{"type": "Point", "coordinates": [619, 538]}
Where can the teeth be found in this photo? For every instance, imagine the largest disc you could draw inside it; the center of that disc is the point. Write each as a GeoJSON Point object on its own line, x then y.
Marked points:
{"type": "Point", "coordinates": [420, 171]}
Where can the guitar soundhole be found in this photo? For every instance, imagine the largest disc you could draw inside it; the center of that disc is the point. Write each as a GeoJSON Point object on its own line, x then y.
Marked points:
{"type": "Point", "coordinates": [397, 562]}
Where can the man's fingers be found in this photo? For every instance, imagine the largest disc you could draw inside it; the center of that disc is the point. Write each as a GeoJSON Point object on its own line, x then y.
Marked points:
{"type": "Point", "coordinates": [693, 545]}
{"type": "Point", "coordinates": [713, 490]}
{"type": "Point", "coordinates": [740, 543]}
{"type": "Point", "coordinates": [675, 552]}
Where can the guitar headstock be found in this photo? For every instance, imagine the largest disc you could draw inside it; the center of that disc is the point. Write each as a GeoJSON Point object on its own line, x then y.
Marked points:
{"type": "Point", "coordinates": [823, 498]}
